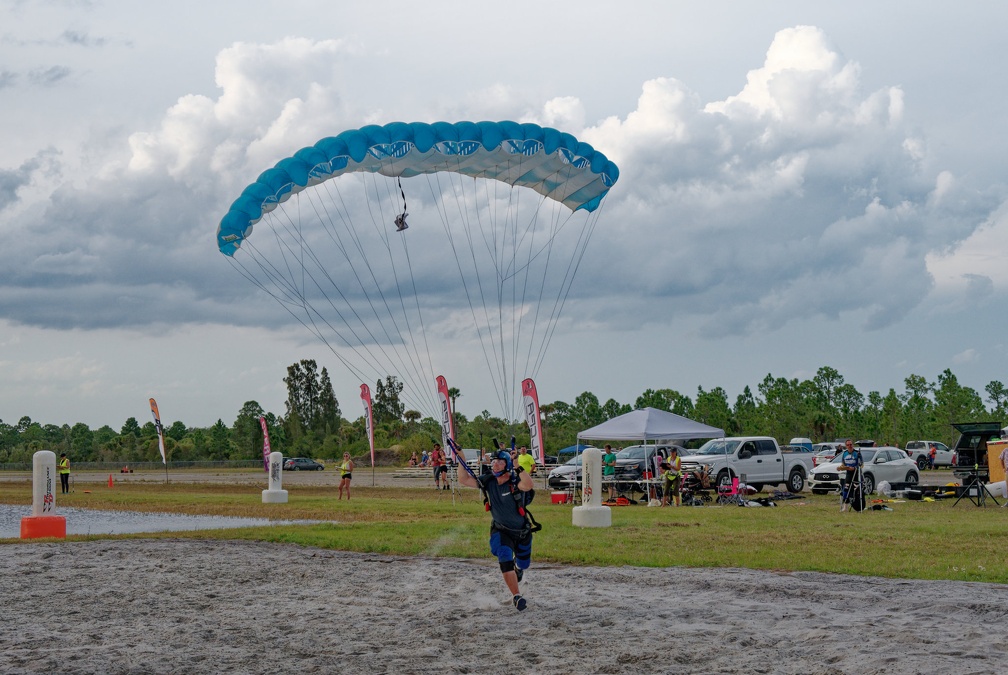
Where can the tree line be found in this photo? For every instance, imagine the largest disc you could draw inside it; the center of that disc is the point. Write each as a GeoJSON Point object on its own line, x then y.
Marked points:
{"type": "Point", "coordinates": [824, 407]}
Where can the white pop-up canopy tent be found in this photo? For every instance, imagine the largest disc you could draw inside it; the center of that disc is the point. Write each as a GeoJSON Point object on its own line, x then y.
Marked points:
{"type": "Point", "coordinates": [650, 424]}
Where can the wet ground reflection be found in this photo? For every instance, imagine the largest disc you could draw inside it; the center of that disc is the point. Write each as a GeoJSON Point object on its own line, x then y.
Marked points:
{"type": "Point", "coordinates": [89, 521]}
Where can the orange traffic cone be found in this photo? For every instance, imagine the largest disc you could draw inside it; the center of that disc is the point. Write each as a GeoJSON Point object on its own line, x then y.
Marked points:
{"type": "Point", "coordinates": [110, 480]}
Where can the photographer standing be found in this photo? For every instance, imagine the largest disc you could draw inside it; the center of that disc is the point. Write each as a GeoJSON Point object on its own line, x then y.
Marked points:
{"type": "Point", "coordinates": [851, 461]}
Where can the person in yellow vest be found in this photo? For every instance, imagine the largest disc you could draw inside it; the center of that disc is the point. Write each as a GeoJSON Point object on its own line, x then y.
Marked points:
{"type": "Point", "coordinates": [672, 478]}
{"type": "Point", "coordinates": [64, 473]}
{"type": "Point", "coordinates": [346, 468]}
{"type": "Point", "coordinates": [526, 460]}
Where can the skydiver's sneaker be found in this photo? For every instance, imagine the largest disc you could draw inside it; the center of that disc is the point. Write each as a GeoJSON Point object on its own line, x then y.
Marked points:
{"type": "Point", "coordinates": [519, 603]}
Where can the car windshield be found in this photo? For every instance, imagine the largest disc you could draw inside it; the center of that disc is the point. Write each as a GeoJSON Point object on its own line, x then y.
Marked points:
{"type": "Point", "coordinates": [574, 461]}
{"type": "Point", "coordinates": [630, 453]}
{"type": "Point", "coordinates": [717, 447]}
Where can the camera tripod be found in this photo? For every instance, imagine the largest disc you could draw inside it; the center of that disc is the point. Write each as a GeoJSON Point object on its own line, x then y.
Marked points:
{"type": "Point", "coordinates": [852, 492]}
{"type": "Point", "coordinates": [975, 489]}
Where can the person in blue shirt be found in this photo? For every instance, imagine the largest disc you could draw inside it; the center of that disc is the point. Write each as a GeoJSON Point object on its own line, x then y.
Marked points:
{"type": "Point", "coordinates": [506, 488]}
{"type": "Point", "coordinates": [850, 462]}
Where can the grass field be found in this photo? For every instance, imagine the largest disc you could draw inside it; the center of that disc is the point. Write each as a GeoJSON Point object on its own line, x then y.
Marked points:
{"type": "Point", "coordinates": [916, 540]}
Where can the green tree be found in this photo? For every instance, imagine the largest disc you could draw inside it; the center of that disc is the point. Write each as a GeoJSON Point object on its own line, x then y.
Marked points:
{"type": "Point", "coordinates": [998, 396]}
{"type": "Point", "coordinates": [386, 406]}
{"type": "Point", "coordinates": [917, 407]}
{"type": "Point", "coordinates": [247, 432]}
{"type": "Point", "coordinates": [131, 428]}
{"type": "Point", "coordinates": [587, 411]}
{"type": "Point", "coordinates": [81, 442]}
{"type": "Point", "coordinates": [220, 442]}
{"type": "Point", "coordinates": [612, 408]}
{"type": "Point", "coordinates": [177, 431]}
{"type": "Point", "coordinates": [954, 403]}
{"type": "Point", "coordinates": [745, 413]}
{"type": "Point", "coordinates": [712, 408]}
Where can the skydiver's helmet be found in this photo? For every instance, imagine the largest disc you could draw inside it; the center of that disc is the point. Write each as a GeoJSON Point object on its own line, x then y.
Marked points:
{"type": "Point", "coordinates": [506, 456]}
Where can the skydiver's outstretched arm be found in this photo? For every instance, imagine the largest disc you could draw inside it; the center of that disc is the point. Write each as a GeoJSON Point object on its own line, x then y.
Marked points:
{"type": "Point", "coordinates": [467, 480]}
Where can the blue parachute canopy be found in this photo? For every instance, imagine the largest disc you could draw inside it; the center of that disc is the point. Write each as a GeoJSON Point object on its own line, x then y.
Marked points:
{"type": "Point", "coordinates": [554, 164]}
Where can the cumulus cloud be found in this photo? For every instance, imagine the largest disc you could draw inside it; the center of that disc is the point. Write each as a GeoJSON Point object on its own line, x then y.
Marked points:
{"type": "Point", "coordinates": [801, 195]}
{"type": "Point", "coordinates": [12, 180]}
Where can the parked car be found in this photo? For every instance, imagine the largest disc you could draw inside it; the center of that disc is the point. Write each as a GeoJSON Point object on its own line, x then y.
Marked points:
{"type": "Point", "coordinates": [824, 452]}
{"type": "Point", "coordinates": [302, 464]}
{"type": "Point", "coordinates": [880, 464]}
{"type": "Point", "coordinates": [565, 475]}
{"type": "Point", "coordinates": [802, 442]}
{"type": "Point", "coordinates": [920, 452]}
{"type": "Point", "coordinates": [632, 461]}
{"type": "Point", "coordinates": [971, 460]}
{"type": "Point", "coordinates": [759, 458]}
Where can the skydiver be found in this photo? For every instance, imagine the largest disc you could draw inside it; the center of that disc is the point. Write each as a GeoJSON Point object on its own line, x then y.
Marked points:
{"type": "Point", "coordinates": [506, 490]}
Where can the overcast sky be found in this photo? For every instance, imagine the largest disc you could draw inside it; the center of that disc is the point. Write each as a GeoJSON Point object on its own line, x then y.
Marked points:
{"type": "Point", "coordinates": [804, 185]}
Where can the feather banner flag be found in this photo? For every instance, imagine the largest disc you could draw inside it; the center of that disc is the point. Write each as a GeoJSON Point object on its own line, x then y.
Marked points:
{"type": "Point", "coordinates": [447, 419]}
{"type": "Point", "coordinates": [266, 445]}
{"type": "Point", "coordinates": [530, 399]}
{"type": "Point", "coordinates": [160, 431]}
{"type": "Point", "coordinates": [365, 394]}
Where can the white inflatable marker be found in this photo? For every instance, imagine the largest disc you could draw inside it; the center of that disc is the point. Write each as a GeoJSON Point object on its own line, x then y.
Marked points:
{"type": "Point", "coordinates": [43, 522]}
{"type": "Point", "coordinates": [275, 494]}
{"type": "Point", "coordinates": [591, 513]}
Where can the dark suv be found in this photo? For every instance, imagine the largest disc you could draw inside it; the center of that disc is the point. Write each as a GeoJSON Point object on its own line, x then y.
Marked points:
{"type": "Point", "coordinates": [634, 460]}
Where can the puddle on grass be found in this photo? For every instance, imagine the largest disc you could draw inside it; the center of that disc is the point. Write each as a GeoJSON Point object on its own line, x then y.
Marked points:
{"type": "Point", "coordinates": [89, 521]}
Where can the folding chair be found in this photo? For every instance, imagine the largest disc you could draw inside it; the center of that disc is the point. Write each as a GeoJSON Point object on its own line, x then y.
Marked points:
{"type": "Point", "coordinates": [729, 494]}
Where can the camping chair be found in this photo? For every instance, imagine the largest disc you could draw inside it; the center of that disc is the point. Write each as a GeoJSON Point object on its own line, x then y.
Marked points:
{"type": "Point", "coordinates": [729, 494]}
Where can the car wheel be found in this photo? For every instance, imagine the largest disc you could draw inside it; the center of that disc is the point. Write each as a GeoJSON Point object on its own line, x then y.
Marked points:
{"type": "Point", "coordinates": [796, 482]}
{"type": "Point", "coordinates": [319, 468]}
{"type": "Point", "coordinates": [297, 468]}
{"type": "Point", "coordinates": [922, 462]}
{"type": "Point", "coordinates": [869, 484]}
{"type": "Point", "coordinates": [912, 477]}
{"type": "Point", "coordinates": [723, 479]}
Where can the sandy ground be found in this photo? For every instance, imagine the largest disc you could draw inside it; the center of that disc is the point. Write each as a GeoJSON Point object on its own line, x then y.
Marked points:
{"type": "Point", "coordinates": [182, 606]}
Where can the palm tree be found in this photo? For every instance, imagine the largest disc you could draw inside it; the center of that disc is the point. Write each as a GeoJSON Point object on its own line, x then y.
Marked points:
{"type": "Point", "coordinates": [454, 394]}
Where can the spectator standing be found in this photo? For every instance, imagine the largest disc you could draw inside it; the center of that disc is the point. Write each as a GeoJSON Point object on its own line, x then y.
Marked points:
{"type": "Point", "coordinates": [346, 469]}
{"type": "Point", "coordinates": [609, 470]}
{"type": "Point", "coordinates": [526, 460]}
{"type": "Point", "coordinates": [437, 460]}
{"type": "Point", "coordinates": [64, 473]}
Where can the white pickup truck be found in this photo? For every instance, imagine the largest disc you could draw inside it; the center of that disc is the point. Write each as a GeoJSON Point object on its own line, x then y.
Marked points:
{"type": "Point", "coordinates": [758, 458]}
{"type": "Point", "coordinates": [920, 451]}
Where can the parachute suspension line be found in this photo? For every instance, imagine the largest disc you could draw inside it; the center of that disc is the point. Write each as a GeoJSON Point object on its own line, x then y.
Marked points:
{"type": "Point", "coordinates": [240, 267]}
{"type": "Point", "coordinates": [428, 385]}
{"type": "Point", "coordinates": [424, 384]}
{"type": "Point", "coordinates": [328, 224]}
{"type": "Point", "coordinates": [310, 310]}
{"type": "Point", "coordinates": [446, 223]}
{"type": "Point", "coordinates": [360, 347]}
{"type": "Point", "coordinates": [572, 268]}
{"type": "Point", "coordinates": [420, 383]}
{"type": "Point", "coordinates": [492, 242]}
